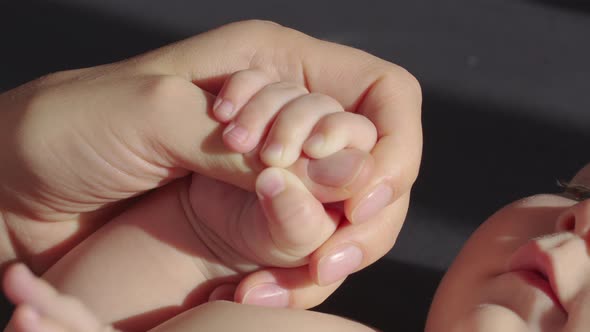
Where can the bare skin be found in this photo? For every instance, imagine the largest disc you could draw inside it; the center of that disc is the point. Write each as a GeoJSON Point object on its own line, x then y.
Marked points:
{"type": "Point", "coordinates": [84, 144]}
{"type": "Point", "coordinates": [190, 250]}
{"type": "Point", "coordinates": [41, 308]}
{"type": "Point", "coordinates": [525, 269]}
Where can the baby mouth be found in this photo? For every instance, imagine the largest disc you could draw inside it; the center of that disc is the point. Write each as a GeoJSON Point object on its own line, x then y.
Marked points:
{"type": "Point", "coordinates": [534, 266]}
{"type": "Point", "coordinates": [538, 280]}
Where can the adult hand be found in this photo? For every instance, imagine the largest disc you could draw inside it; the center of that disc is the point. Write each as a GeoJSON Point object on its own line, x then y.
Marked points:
{"type": "Point", "coordinates": [149, 143]}
{"type": "Point", "coordinates": [78, 144]}
{"type": "Point", "coordinates": [385, 93]}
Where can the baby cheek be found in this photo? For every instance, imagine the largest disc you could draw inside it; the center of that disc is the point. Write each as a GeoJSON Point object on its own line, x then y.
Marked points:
{"type": "Point", "coordinates": [491, 318]}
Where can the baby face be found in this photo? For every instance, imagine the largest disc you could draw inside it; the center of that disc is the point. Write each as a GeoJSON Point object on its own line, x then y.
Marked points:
{"type": "Point", "coordinates": [527, 268]}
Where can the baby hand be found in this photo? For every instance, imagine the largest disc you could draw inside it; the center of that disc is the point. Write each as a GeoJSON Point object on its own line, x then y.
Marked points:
{"type": "Point", "coordinates": [287, 126]}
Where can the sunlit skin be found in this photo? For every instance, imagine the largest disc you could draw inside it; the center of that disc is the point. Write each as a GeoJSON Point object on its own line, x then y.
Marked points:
{"type": "Point", "coordinates": [527, 268]}
{"type": "Point", "coordinates": [181, 261]}
{"type": "Point", "coordinates": [196, 253]}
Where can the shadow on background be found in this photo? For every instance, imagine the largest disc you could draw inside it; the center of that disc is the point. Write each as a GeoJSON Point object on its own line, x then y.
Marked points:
{"type": "Point", "coordinates": [389, 296]}
{"type": "Point", "coordinates": [40, 37]}
{"type": "Point", "coordinates": [575, 5]}
{"type": "Point", "coordinates": [477, 155]}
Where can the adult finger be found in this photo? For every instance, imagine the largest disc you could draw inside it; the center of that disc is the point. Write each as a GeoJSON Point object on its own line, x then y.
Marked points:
{"type": "Point", "coordinates": [350, 249]}
{"type": "Point", "coordinates": [176, 132]}
{"type": "Point", "coordinates": [280, 228]}
{"type": "Point", "coordinates": [355, 246]}
{"type": "Point", "coordinates": [282, 287]}
{"type": "Point", "coordinates": [399, 148]}
{"type": "Point", "coordinates": [385, 93]}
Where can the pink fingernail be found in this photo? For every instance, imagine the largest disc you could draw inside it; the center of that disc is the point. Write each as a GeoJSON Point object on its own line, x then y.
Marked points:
{"type": "Point", "coordinates": [337, 170]}
{"type": "Point", "coordinates": [267, 295]}
{"type": "Point", "coordinates": [315, 141]}
{"type": "Point", "coordinates": [373, 203]}
{"type": "Point", "coordinates": [339, 264]}
{"type": "Point", "coordinates": [223, 108]}
{"type": "Point", "coordinates": [270, 183]}
{"type": "Point", "coordinates": [273, 151]}
{"type": "Point", "coordinates": [223, 293]}
{"type": "Point", "coordinates": [216, 103]}
{"type": "Point", "coordinates": [236, 133]}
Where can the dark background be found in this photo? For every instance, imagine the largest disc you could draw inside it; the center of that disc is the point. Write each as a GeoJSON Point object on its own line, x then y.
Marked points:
{"type": "Point", "coordinates": [506, 103]}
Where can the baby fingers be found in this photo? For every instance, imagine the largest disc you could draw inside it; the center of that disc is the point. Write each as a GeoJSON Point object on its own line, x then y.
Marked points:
{"type": "Point", "coordinates": [237, 91]}
{"type": "Point", "coordinates": [337, 131]}
{"type": "Point", "coordinates": [251, 121]}
{"type": "Point", "coordinates": [293, 126]}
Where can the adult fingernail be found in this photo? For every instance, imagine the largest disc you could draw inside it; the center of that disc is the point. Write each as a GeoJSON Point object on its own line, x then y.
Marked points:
{"type": "Point", "coordinates": [373, 203]}
{"type": "Point", "coordinates": [270, 183]}
{"type": "Point", "coordinates": [339, 264]}
{"type": "Point", "coordinates": [236, 133]}
{"type": "Point", "coordinates": [337, 170]}
{"type": "Point", "coordinates": [267, 295]}
{"type": "Point", "coordinates": [223, 109]}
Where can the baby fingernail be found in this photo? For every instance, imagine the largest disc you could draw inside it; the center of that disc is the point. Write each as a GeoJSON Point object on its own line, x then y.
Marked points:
{"type": "Point", "coordinates": [315, 141]}
{"type": "Point", "coordinates": [339, 264]}
{"type": "Point", "coordinates": [267, 295]}
{"type": "Point", "coordinates": [236, 133]}
{"type": "Point", "coordinates": [270, 183]}
{"type": "Point", "coordinates": [273, 152]}
{"type": "Point", "coordinates": [373, 203]}
{"type": "Point", "coordinates": [223, 109]}
{"type": "Point", "coordinates": [223, 293]}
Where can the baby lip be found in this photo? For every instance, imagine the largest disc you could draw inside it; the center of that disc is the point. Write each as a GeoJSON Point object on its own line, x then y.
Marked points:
{"type": "Point", "coordinates": [531, 257]}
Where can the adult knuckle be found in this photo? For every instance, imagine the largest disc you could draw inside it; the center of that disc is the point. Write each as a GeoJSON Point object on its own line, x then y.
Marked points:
{"type": "Point", "coordinates": [259, 24]}
{"type": "Point", "coordinates": [159, 92]}
{"type": "Point", "coordinates": [58, 77]}
{"type": "Point", "coordinates": [413, 84]}
{"type": "Point", "coordinates": [408, 83]}
{"type": "Point", "coordinates": [164, 86]}
{"type": "Point", "coordinates": [251, 27]}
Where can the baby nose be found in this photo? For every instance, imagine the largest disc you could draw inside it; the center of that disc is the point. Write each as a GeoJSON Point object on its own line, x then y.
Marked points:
{"type": "Point", "coordinates": [575, 219]}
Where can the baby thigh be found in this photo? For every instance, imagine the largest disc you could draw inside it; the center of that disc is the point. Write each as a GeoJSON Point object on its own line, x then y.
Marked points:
{"type": "Point", "coordinates": [138, 270]}
{"type": "Point", "coordinates": [229, 316]}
